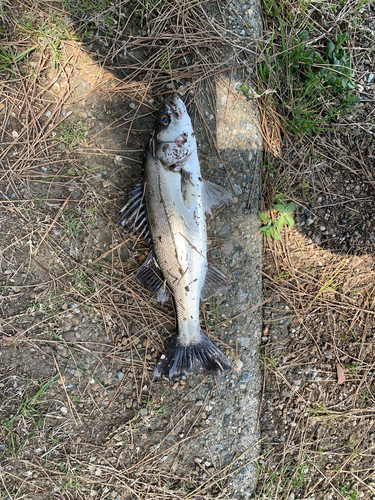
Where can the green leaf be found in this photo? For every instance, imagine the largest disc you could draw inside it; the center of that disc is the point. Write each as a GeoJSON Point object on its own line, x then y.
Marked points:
{"type": "Point", "coordinates": [269, 232]}
{"type": "Point", "coordinates": [290, 208]}
{"type": "Point", "coordinates": [263, 229]}
{"type": "Point", "coordinates": [280, 223]}
{"type": "Point", "coordinates": [263, 217]}
{"type": "Point", "coordinates": [279, 207]}
{"type": "Point", "coordinates": [304, 36]}
{"type": "Point", "coordinates": [276, 235]}
{"type": "Point", "coordinates": [289, 221]}
{"type": "Point", "coordinates": [330, 48]}
{"type": "Point", "coordinates": [23, 54]}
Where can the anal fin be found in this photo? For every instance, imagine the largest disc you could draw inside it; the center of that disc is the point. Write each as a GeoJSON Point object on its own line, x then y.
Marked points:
{"type": "Point", "coordinates": [214, 195]}
{"type": "Point", "coordinates": [150, 276]}
{"type": "Point", "coordinates": [214, 282]}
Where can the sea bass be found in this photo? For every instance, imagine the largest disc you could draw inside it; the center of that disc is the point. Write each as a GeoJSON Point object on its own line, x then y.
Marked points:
{"type": "Point", "coordinates": [168, 208]}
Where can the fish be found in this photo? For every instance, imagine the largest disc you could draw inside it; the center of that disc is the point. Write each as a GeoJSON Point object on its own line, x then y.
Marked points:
{"type": "Point", "coordinates": [167, 208]}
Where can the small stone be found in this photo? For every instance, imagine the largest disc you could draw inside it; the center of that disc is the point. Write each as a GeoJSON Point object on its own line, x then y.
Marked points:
{"type": "Point", "coordinates": [70, 338]}
{"type": "Point", "coordinates": [79, 439]}
{"type": "Point", "coordinates": [322, 228]}
{"type": "Point", "coordinates": [310, 221]}
{"type": "Point", "coordinates": [120, 375]}
{"type": "Point", "coordinates": [307, 213]}
{"type": "Point", "coordinates": [14, 134]}
{"type": "Point", "coordinates": [228, 410]}
{"type": "Point", "coordinates": [245, 377]}
{"type": "Point", "coordinates": [132, 105]}
{"type": "Point", "coordinates": [224, 230]}
{"type": "Point", "coordinates": [203, 415]}
{"type": "Point", "coordinates": [370, 77]}
{"type": "Point", "coordinates": [237, 366]}
{"type": "Point", "coordinates": [64, 410]}
{"type": "Point", "coordinates": [56, 88]}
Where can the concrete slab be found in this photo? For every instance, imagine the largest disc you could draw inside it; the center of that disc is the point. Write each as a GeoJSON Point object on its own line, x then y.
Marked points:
{"type": "Point", "coordinates": [232, 404]}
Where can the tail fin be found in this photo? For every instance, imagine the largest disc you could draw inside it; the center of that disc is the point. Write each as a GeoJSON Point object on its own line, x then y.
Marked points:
{"type": "Point", "coordinates": [203, 357]}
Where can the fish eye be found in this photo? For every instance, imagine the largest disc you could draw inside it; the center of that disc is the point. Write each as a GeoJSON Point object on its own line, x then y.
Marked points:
{"type": "Point", "coordinates": [164, 120]}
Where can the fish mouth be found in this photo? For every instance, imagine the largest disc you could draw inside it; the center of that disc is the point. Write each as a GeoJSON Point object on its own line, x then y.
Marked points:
{"type": "Point", "coordinates": [175, 105]}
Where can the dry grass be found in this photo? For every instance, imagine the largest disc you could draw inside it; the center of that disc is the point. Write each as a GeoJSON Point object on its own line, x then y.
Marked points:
{"type": "Point", "coordinates": [318, 401]}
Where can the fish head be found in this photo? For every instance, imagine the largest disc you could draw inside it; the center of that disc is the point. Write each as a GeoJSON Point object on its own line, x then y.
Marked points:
{"type": "Point", "coordinates": [174, 138]}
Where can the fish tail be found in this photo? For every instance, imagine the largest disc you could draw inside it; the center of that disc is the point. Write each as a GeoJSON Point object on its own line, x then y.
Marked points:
{"type": "Point", "coordinates": [202, 357]}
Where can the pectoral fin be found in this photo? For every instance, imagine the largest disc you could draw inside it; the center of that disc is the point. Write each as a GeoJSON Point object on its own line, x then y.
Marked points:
{"type": "Point", "coordinates": [214, 282]}
{"type": "Point", "coordinates": [214, 195]}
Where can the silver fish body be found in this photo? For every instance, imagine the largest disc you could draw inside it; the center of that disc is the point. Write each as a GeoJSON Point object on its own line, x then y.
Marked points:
{"type": "Point", "coordinates": [175, 201]}
{"type": "Point", "coordinates": [180, 241]}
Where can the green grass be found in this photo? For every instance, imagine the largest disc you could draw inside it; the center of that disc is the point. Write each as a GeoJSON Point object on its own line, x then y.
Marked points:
{"type": "Point", "coordinates": [85, 6]}
{"type": "Point", "coordinates": [48, 35]}
{"type": "Point", "coordinates": [83, 12]}
{"type": "Point", "coordinates": [310, 87]}
{"type": "Point", "coordinates": [73, 133]}
{"type": "Point", "coordinates": [8, 59]}
{"type": "Point", "coordinates": [285, 480]}
{"type": "Point", "coordinates": [31, 408]}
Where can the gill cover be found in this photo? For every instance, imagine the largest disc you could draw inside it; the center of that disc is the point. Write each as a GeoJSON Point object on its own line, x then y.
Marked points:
{"type": "Point", "coordinates": [174, 139]}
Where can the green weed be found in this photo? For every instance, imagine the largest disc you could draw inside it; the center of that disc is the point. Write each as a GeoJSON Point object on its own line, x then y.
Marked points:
{"type": "Point", "coordinates": [73, 133]}
{"type": "Point", "coordinates": [288, 478]}
{"type": "Point", "coordinates": [8, 59]}
{"type": "Point", "coordinates": [147, 8]}
{"type": "Point", "coordinates": [272, 226]}
{"type": "Point", "coordinates": [348, 492]}
{"type": "Point", "coordinates": [48, 35]}
{"type": "Point", "coordinates": [314, 88]}
{"type": "Point", "coordinates": [31, 408]}
{"type": "Point", "coordinates": [84, 6]}
{"type": "Point", "coordinates": [72, 222]}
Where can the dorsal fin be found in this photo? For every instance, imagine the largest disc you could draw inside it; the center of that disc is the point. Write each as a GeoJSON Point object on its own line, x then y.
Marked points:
{"type": "Point", "coordinates": [133, 214]}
